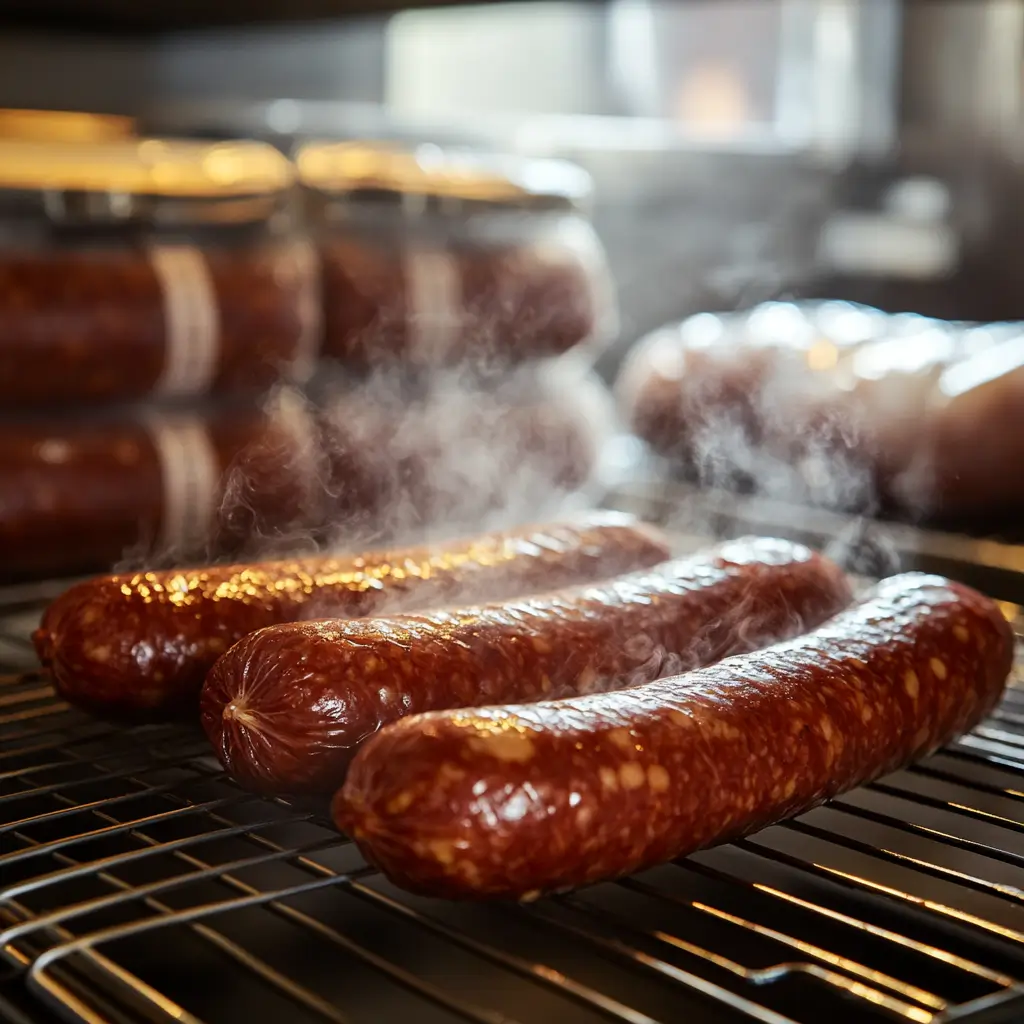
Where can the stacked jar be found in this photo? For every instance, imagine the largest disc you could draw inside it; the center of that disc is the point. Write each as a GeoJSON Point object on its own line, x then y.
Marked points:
{"type": "Point", "coordinates": [165, 304]}
{"type": "Point", "coordinates": [149, 291]}
{"type": "Point", "coordinates": [464, 297]}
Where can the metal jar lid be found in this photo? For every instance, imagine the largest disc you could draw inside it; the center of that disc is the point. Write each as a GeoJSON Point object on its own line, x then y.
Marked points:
{"type": "Point", "coordinates": [158, 180]}
{"type": "Point", "coordinates": [63, 125]}
{"type": "Point", "coordinates": [426, 176]}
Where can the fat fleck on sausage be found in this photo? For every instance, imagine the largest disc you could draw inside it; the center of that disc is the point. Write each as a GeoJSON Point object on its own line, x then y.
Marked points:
{"type": "Point", "coordinates": [140, 645]}
{"type": "Point", "coordinates": [519, 800]}
{"type": "Point", "coordinates": [287, 706]}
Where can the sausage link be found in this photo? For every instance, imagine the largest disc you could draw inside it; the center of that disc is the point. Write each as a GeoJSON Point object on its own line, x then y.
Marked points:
{"type": "Point", "coordinates": [287, 706]}
{"type": "Point", "coordinates": [512, 301]}
{"type": "Point", "coordinates": [98, 312]}
{"type": "Point", "coordinates": [515, 801]}
{"type": "Point", "coordinates": [83, 491]}
{"type": "Point", "coordinates": [141, 645]}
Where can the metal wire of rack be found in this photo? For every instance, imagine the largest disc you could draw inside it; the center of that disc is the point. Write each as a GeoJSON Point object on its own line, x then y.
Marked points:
{"type": "Point", "coordinates": [871, 546]}
{"type": "Point", "coordinates": [139, 884]}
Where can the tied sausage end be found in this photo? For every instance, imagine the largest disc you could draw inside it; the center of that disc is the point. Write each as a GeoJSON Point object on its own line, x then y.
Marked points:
{"type": "Point", "coordinates": [273, 714]}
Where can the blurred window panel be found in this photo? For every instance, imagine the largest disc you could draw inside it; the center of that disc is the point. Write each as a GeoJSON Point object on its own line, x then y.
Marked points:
{"type": "Point", "coordinates": [802, 71]}
{"type": "Point", "coordinates": [519, 58]}
{"type": "Point", "coordinates": [710, 66]}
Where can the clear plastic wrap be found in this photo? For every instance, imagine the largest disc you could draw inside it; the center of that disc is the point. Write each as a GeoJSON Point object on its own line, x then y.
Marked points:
{"type": "Point", "coordinates": [839, 405]}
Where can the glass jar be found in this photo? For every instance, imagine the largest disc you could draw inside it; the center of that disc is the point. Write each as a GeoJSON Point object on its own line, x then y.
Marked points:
{"type": "Point", "coordinates": [143, 486]}
{"type": "Point", "coordinates": [438, 258]}
{"type": "Point", "coordinates": [134, 268]}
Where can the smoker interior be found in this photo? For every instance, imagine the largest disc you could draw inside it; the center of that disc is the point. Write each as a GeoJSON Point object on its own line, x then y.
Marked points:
{"type": "Point", "coordinates": [140, 884]}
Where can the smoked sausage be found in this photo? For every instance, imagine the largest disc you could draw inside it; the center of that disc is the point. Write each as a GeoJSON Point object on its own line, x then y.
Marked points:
{"type": "Point", "coordinates": [287, 706]}
{"type": "Point", "coordinates": [140, 645]}
{"type": "Point", "coordinates": [516, 801]}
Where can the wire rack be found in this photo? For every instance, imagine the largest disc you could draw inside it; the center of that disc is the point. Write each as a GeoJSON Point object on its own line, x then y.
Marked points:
{"type": "Point", "coordinates": [138, 884]}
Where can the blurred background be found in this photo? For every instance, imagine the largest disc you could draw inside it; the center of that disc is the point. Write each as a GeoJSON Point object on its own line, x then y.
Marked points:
{"type": "Point", "coordinates": [740, 147]}
{"type": "Point", "coordinates": [734, 152]}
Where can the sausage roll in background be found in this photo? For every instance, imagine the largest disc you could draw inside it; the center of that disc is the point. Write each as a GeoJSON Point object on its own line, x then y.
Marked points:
{"type": "Point", "coordinates": [839, 405]}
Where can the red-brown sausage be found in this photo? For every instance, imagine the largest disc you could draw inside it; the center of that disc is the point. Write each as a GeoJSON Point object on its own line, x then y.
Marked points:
{"type": "Point", "coordinates": [287, 706]}
{"type": "Point", "coordinates": [140, 645]}
{"type": "Point", "coordinates": [100, 313]}
{"type": "Point", "coordinates": [80, 491]}
{"type": "Point", "coordinates": [510, 301]}
{"type": "Point", "coordinates": [515, 801]}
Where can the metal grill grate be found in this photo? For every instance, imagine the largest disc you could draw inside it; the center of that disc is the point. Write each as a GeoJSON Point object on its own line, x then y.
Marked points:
{"type": "Point", "coordinates": [868, 545]}
{"type": "Point", "coordinates": [138, 883]}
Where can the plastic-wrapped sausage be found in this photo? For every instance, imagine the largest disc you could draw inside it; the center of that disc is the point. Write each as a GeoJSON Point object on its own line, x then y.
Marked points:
{"type": "Point", "coordinates": [149, 268]}
{"type": "Point", "coordinates": [83, 492]}
{"type": "Point", "coordinates": [287, 706]}
{"type": "Point", "coordinates": [461, 459]}
{"type": "Point", "coordinates": [753, 400]}
{"type": "Point", "coordinates": [99, 312]}
{"type": "Point", "coordinates": [450, 258]}
{"type": "Point", "coordinates": [516, 801]}
{"type": "Point", "coordinates": [838, 405]}
{"type": "Point", "coordinates": [140, 644]}
{"type": "Point", "coordinates": [511, 302]}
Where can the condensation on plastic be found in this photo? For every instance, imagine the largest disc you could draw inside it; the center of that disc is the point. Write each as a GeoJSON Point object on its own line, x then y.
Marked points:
{"type": "Point", "coordinates": [838, 404]}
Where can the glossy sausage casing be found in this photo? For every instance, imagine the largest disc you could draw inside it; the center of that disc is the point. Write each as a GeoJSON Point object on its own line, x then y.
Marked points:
{"type": "Point", "coordinates": [142, 644]}
{"type": "Point", "coordinates": [287, 706]}
{"type": "Point", "coordinates": [517, 800]}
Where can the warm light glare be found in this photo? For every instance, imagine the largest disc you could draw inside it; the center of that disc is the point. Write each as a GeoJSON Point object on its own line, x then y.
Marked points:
{"type": "Point", "coordinates": [712, 100]}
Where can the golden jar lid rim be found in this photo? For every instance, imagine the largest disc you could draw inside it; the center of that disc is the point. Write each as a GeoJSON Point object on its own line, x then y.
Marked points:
{"type": "Point", "coordinates": [153, 167]}
{"type": "Point", "coordinates": [339, 168]}
{"type": "Point", "coordinates": [63, 125]}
